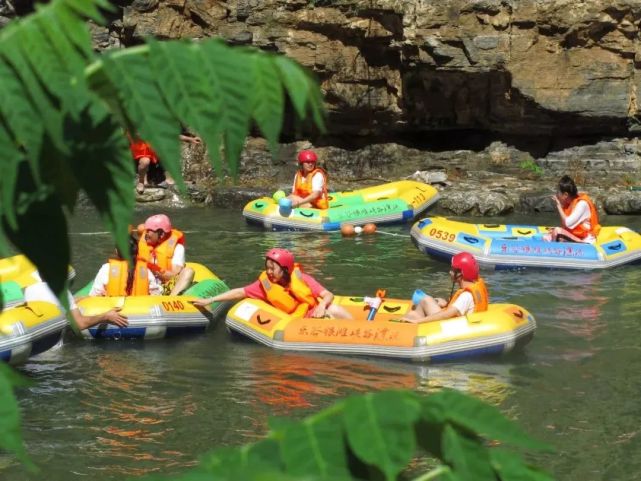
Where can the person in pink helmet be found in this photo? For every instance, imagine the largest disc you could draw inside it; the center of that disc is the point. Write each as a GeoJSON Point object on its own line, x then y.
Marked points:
{"type": "Point", "coordinates": [285, 286]}
{"type": "Point", "coordinates": [471, 295]}
{"type": "Point", "coordinates": [310, 183]}
{"type": "Point", "coordinates": [163, 249]}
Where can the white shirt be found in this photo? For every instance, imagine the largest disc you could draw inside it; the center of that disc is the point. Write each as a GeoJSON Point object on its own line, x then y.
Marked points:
{"type": "Point", "coordinates": [40, 291]}
{"type": "Point", "coordinates": [99, 287]}
{"type": "Point", "coordinates": [580, 214]}
{"type": "Point", "coordinates": [318, 182]}
{"type": "Point", "coordinates": [464, 303]}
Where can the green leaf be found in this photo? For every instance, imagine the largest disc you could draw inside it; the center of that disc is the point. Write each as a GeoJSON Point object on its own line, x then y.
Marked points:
{"type": "Point", "coordinates": [478, 417]}
{"type": "Point", "coordinates": [47, 64]}
{"type": "Point", "coordinates": [101, 162]}
{"type": "Point", "coordinates": [90, 9]}
{"type": "Point", "coordinates": [66, 53]}
{"type": "Point", "coordinates": [510, 467]}
{"type": "Point", "coordinates": [48, 112]}
{"type": "Point", "coordinates": [144, 105]}
{"type": "Point", "coordinates": [467, 457]}
{"type": "Point", "coordinates": [41, 232]}
{"type": "Point", "coordinates": [10, 432]}
{"type": "Point", "coordinates": [20, 116]}
{"type": "Point", "coordinates": [187, 91]}
{"type": "Point", "coordinates": [234, 461]}
{"type": "Point", "coordinates": [268, 102]}
{"type": "Point", "coordinates": [315, 447]}
{"type": "Point", "coordinates": [75, 28]}
{"type": "Point", "coordinates": [230, 74]}
{"type": "Point", "coordinates": [11, 158]}
{"type": "Point", "coordinates": [380, 429]}
{"type": "Point", "coordinates": [296, 82]}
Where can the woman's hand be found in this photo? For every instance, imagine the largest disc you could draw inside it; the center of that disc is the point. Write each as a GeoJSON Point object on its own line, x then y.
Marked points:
{"type": "Point", "coordinates": [441, 302]}
{"type": "Point", "coordinates": [319, 311]}
{"type": "Point", "coordinates": [202, 302]}
{"type": "Point", "coordinates": [114, 317]}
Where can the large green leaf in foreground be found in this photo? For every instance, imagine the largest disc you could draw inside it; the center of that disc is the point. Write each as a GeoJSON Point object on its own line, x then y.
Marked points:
{"type": "Point", "coordinates": [376, 436]}
{"type": "Point", "coordinates": [64, 111]}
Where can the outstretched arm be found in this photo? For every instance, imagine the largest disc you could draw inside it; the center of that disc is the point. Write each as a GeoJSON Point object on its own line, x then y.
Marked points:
{"type": "Point", "coordinates": [232, 295]}
{"type": "Point", "coordinates": [111, 317]}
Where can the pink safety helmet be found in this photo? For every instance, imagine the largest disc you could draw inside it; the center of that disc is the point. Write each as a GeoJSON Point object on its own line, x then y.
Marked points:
{"type": "Point", "coordinates": [282, 257]}
{"type": "Point", "coordinates": [158, 221]}
{"type": "Point", "coordinates": [307, 156]}
{"type": "Point", "coordinates": [465, 263]}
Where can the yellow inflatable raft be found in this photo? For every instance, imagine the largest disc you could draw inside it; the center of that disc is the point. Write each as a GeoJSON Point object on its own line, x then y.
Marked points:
{"type": "Point", "coordinates": [155, 317]}
{"type": "Point", "coordinates": [393, 202]}
{"type": "Point", "coordinates": [17, 273]}
{"type": "Point", "coordinates": [500, 329]}
{"type": "Point", "coordinates": [29, 329]}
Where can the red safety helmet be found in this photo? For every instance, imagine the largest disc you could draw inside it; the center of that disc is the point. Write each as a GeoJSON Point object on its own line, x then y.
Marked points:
{"type": "Point", "coordinates": [158, 222]}
{"type": "Point", "coordinates": [282, 257]}
{"type": "Point", "coordinates": [465, 263]}
{"type": "Point", "coordinates": [307, 156]}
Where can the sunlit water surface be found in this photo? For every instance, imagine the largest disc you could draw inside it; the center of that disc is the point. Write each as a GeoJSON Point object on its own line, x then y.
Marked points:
{"type": "Point", "coordinates": [114, 409]}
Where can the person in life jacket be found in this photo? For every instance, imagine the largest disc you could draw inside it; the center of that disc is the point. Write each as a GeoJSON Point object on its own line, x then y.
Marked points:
{"type": "Point", "coordinates": [284, 285]}
{"type": "Point", "coordinates": [145, 157]}
{"type": "Point", "coordinates": [162, 248]}
{"type": "Point", "coordinates": [116, 278]}
{"type": "Point", "coordinates": [310, 183]}
{"type": "Point", "coordinates": [579, 216]}
{"type": "Point", "coordinates": [471, 295]}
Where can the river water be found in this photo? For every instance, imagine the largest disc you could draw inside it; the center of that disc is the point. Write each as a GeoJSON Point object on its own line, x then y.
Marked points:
{"type": "Point", "coordinates": [107, 410]}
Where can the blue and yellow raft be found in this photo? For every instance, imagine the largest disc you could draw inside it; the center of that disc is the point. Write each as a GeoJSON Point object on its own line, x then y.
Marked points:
{"type": "Point", "coordinates": [393, 202]}
{"type": "Point", "coordinates": [514, 246]}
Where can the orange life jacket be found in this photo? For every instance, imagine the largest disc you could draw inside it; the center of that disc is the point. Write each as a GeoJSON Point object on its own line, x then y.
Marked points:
{"type": "Point", "coordinates": [162, 253]}
{"type": "Point", "coordinates": [303, 187]}
{"type": "Point", "coordinates": [585, 228]}
{"type": "Point", "coordinates": [118, 273]}
{"type": "Point", "coordinates": [479, 294]}
{"type": "Point", "coordinates": [296, 299]}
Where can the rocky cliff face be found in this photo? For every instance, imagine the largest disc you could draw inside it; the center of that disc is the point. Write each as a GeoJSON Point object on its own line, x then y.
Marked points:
{"type": "Point", "coordinates": [399, 67]}
{"type": "Point", "coordinates": [463, 85]}
{"type": "Point", "coordinates": [543, 76]}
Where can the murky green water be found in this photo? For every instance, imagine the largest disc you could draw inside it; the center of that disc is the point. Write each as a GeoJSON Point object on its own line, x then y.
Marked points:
{"type": "Point", "coordinates": [108, 410]}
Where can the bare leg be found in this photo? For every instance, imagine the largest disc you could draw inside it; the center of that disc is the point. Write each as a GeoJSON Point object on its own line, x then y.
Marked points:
{"type": "Point", "coordinates": [183, 281]}
{"type": "Point", "coordinates": [424, 308]}
{"type": "Point", "coordinates": [142, 167]}
{"type": "Point", "coordinates": [559, 234]}
{"type": "Point", "coordinates": [338, 312]}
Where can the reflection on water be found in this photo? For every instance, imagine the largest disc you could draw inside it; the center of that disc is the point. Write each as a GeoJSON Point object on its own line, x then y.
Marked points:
{"type": "Point", "coordinates": [115, 409]}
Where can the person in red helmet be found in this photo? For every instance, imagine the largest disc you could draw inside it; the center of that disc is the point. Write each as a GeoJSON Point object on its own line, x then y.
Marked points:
{"type": "Point", "coordinates": [471, 296]}
{"type": "Point", "coordinates": [163, 249]}
{"type": "Point", "coordinates": [310, 183]}
{"type": "Point", "coordinates": [284, 285]}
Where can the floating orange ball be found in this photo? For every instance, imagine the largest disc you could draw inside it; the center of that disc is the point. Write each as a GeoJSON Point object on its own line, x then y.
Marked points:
{"type": "Point", "coordinates": [369, 228]}
{"type": "Point", "coordinates": [347, 230]}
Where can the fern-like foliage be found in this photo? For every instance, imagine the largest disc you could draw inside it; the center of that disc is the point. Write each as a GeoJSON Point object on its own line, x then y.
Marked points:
{"type": "Point", "coordinates": [375, 437]}
{"type": "Point", "coordinates": [64, 111]}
